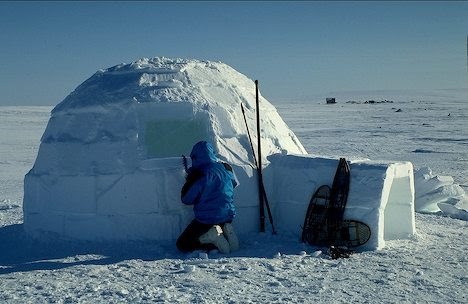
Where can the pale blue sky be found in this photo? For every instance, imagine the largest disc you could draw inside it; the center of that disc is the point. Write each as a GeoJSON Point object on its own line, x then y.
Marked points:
{"type": "Point", "coordinates": [295, 49]}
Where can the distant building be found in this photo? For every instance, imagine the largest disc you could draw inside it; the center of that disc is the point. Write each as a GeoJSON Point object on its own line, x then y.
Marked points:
{"type": "Point", "coordinates": [330, 100]}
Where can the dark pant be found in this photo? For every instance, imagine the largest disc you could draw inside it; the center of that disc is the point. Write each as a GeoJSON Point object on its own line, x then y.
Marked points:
{"type": "Point", "coordinates": [188, 240]}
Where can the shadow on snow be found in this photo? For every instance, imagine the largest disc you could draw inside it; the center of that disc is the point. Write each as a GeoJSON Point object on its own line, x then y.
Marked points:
{"type": "Point", "coordinates": [22, 253]}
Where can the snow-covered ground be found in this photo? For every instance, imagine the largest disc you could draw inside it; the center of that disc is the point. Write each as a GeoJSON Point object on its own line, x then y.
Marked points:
{"type": "Point", "coordinates": [430, 268]}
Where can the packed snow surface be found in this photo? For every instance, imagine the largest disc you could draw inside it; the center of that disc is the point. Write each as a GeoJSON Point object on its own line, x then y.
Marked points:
{"type": "Point", "coordinates": [429, 267]}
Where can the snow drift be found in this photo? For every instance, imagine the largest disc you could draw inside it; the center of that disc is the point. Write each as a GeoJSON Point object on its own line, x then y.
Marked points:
{"type": "Point", "coordinates": [109, 164]}
{"type": "Point", "coordinates": [439, 194]}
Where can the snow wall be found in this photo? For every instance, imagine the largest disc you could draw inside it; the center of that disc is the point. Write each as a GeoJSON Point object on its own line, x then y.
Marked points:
{"type": "Point", "coordinates": [381, 194]}
{"type": "Point", "coordinates": [109, 165]}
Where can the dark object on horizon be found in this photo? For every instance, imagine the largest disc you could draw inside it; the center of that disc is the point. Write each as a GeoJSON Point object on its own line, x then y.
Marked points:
{"type": "Point", "coordinates": [448, 115]}
{"type": "Point", "coordinates": [399, 110]}
{"type": "Point", "coordinates": [330, 100]}
{"type": "Point", "coordinates": [370, 101]}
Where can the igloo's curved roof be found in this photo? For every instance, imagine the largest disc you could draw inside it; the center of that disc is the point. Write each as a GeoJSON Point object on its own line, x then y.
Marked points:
{"type": "Point", "coordinates": [159, 107]}
{"type": "Point", "coordinates": [162, 79]}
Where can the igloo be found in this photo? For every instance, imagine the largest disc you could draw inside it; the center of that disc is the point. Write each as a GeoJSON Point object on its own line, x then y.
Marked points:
{"type": "Point", "coordinates": [109, 166]}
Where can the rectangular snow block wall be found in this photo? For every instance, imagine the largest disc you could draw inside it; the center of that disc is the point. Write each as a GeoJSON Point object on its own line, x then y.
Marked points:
{"type": "Point", "coordinates": [144, 204]}
{"type": "Point", "coordinates": [381, 194]}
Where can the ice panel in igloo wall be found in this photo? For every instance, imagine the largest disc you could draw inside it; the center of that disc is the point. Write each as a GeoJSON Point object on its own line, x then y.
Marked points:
{"type": "Point", "coordinates": [171, 129]}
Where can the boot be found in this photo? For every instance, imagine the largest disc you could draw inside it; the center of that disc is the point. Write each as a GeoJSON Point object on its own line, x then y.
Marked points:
{"type": "Point", "coordinates": [230, 235]}
{"type": "Point", "coordinates": [215, 236]}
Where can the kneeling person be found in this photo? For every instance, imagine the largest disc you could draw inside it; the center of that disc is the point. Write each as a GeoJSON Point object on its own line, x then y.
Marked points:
{"type": "Point", "coordinates": [209, 187]}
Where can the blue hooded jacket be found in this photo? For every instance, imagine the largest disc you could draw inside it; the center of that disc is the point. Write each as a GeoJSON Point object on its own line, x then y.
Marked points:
{"type": "Point", "coordinates": [209, 187]}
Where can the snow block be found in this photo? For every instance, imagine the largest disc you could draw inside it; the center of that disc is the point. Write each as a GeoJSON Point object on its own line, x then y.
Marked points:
{"type": "Point", "coordinates": [124, 194]}
{"type": "Point", "coordinates": [37, 224]}
{"type": "Point", "coordinates": [122, 227]}
{"type": "Point", "coordinates": [36, 193]}
{"type": "Point", "coordinates": [83, 201]}
{"type": "Point", "coordinates": [246, 193]}
{"type": "Point", "coordinates": [247, 219]}
{"type": "Point", "coordinates": [91, 159]}
{"type": "Point", "coordinates": [117, 122]}
{"type": "Point", "coordinates": [388, 205]}
{"type": "Point", "coordinates": [381, 195]}
{"type": "Point", "coordinates": [51, 193]}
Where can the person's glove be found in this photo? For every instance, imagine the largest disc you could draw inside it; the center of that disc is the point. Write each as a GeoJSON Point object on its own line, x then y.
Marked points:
{"type": "Point", "coordinates": [192, 176]}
